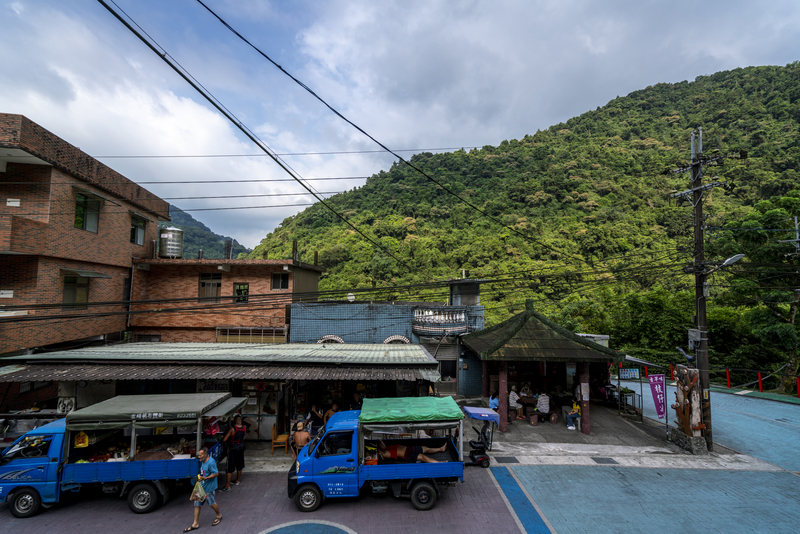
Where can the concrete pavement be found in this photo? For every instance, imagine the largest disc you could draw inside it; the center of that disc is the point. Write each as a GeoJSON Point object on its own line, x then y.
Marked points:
{"type": "Point", "coordinates": [762, 428]}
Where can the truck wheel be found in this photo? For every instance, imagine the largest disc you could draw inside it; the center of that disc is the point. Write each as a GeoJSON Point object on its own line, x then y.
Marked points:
{"type": "Point", "coordinates": [25, 503]}
{"type": "Point", "coordinates": [485, 463]}
{"type": "Point", "coordinates": [143, 499]}
{"type": "Point", "coordinates": [423, 496]}
{"type": "Point", "coordinates": [307, 499]}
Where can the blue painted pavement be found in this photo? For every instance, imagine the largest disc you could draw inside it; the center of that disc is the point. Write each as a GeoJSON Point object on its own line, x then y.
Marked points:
{"type": "Point", "coordinates": [580, 499]}
{"type": "Point", "coordinates": [764, 429]}
{"type": "Point", "coordinates": [525, 511]}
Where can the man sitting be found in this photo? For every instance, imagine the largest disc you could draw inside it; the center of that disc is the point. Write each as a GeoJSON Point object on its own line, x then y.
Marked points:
{"type": "Point", "coordinates": [300, 440]}
{"type": "Point", "coordinates": [410, 453]}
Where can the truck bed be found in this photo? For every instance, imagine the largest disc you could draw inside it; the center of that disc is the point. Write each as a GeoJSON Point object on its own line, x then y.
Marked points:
{"type": "Point", "coordinates": [130, 471]}
{"type": "Point", "coordinates": [449, 465]}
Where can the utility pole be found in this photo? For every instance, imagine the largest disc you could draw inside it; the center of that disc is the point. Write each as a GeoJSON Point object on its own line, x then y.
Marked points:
{"type": "Point", "coordinates": [701, 354]}
{"type": "Point", "coordinates": [698, 268]}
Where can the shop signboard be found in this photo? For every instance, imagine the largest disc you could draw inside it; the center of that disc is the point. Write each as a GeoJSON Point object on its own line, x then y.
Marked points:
{"type": "Point", "coordinates": [628, 374]}
{"type": "Point", "coordinates": [659, 395]}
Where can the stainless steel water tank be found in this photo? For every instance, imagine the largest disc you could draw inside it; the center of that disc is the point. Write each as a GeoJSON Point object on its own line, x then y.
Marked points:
{"type": "Point", "coordinates": [170, 243]}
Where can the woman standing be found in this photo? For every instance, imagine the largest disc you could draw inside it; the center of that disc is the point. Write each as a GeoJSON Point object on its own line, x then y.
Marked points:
{"type": "Point", "coordinates": [235, 437]}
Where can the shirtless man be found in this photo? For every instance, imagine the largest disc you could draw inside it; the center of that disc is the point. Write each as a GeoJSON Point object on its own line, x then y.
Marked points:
{"type": "Point", "coordinates": [329, 413]}
{"type": "Point", "coordinates": [301, 439]}
{"type": "Point", "coordinates": [412, 453]}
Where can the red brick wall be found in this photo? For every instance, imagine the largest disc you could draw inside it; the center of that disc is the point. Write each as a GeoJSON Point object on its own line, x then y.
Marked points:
{"type": "Point", "coordinates": [49, 289]}
{"type": "Point", "coordinates": [17, 131]}
{"type": "Point", "coordinates": [12, 399]}
{"type": "Point", "coordinates": [182, 281]}
{"type": "Point", "coordinates": [31, 185]}
{"type": "Point", "coordinates": [180, 335]}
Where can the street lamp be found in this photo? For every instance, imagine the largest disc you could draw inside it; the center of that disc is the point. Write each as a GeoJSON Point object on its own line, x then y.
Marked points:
{"type": "Point", "coordinates": [701, 354]}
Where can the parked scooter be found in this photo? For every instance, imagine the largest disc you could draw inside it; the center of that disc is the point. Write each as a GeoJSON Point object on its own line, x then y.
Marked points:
{"type": "Point", "coordinates": [477, 455]}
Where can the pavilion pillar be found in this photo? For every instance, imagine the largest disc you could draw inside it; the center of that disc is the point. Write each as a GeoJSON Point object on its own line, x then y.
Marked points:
{"type": "Point", "coordinates": [583, 378]}
{"type": "Point", "coordinates": [485, 377]}
{"type": "Point", "coordinates": [502, 396]}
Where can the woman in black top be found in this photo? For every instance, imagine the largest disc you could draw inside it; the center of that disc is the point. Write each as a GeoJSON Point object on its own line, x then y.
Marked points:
{"type": "Point", "coordinates": [235, 438]}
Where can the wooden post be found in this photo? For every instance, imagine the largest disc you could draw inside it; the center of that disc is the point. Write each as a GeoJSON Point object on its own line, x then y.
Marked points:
{"type": "Point", "coordinates": [485, 376]}
{"type": "Point", "coordinates": [728, 374]}
{"type": "Point", "coordinates": [583, 374]}
{"type": "Point", "coordinates": [502, 396]}
{"type": "Point", "coordinates": [671, 373]}
{"type": "Point", "coordinates": [760, 385]}
{"type": "Point", "coordinates": [645, 371]}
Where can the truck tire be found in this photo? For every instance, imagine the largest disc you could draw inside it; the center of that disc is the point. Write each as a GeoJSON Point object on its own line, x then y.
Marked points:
{"type": "Point", "coordinates": [308, 498]}
{"type": "Point", "coordinates": [25, 503]}
{"type": "Point", "coordinates": [423, 496]}
{"type": "Point", "coordinates": [143, 499]}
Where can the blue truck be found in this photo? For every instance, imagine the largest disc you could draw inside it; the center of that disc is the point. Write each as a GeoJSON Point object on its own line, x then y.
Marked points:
{"type": "Point", "coordinates": [353, 452]}
{"type": "Point", "coordinates": [137, 446]}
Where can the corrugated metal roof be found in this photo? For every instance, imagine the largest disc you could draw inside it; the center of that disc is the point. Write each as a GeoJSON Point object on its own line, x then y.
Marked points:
{"type": "Point", "coordinates": [112, 371]}
{"type": "Point", "coordinates": [260, 353]}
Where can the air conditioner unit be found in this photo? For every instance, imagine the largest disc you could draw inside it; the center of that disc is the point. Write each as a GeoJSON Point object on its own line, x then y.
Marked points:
{"type": "Point", "coordinates": [66, 404]}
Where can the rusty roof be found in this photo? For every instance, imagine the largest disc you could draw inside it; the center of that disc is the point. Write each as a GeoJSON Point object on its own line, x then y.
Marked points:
{"type": "Point", "coordinates": [533, 337]}
{"type": "Point", "coordinates": [115, 371]}
{"type": "Point", "coordinates": [257, 361]}
{"type": "Point", "coordinates": [232, 353]}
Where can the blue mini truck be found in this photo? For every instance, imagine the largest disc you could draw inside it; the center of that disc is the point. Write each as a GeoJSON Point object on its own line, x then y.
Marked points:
{"type": "Point", "coordinates": [84, 449]}
{"type": "Point", "coordinates": [342, 460]}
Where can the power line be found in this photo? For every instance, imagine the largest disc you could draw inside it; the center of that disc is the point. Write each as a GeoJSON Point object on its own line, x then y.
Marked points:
{"type": "Point", "coordinates": [183, 73]}
{"type": "Point", "coordinates": [384, 147]}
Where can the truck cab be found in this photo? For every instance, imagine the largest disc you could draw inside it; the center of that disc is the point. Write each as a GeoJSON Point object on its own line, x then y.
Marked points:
{"type": "Point", "coordinates": [342, 459]}
{"type": "Point", "coordinates": [29, 469]}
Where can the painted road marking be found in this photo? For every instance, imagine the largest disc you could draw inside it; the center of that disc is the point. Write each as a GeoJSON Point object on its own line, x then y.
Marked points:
{"type": "Point", "coordinates": [310, 527]}
{"type": "Point", "coordinates": [508, 504]}
{"type": "Point", "coordinates": [745, 392]}
{"type": "Point", "coordinates": [519, 502]}
{"type": "Point", "coordinates": [528, 495]}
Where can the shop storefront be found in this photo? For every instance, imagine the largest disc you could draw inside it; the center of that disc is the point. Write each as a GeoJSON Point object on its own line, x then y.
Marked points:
{"type": "Point", "coordinates": [280, 382]}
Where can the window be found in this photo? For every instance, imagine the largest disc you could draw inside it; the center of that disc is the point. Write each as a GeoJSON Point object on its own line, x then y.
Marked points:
{"type": "Point", "coordinates": [137, 230]}
{"type": "Point", "coordinates": [280, 281]}
{"type": "Point", "coordinates": [210, 287]}
{"type": "Point", "coordinates": [28, 447]}
{"type": "Point", "coordinates": [241, 293]}
{"type": "Point", "coordinates": [76, 292]}
{"type": "Point", "coordinates": [336, 444]}
{"type": "Point", "coordinates": [87, 213]}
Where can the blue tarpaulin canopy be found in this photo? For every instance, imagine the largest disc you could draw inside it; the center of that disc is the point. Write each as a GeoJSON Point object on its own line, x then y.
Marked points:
{"type": "Point", "coordinates": [484, 414]}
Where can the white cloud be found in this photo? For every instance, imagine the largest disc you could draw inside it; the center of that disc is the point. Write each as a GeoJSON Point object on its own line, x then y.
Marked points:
{"type": "Point", "coordinates": [414, 74]}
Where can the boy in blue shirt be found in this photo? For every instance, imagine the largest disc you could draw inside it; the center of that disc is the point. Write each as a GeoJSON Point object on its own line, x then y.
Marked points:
{"type": "Point", "coordinates": [208, 478]}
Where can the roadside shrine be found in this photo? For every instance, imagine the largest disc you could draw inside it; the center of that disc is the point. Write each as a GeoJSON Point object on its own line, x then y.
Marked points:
{"type": "Point", "coordinates": [530, 348]}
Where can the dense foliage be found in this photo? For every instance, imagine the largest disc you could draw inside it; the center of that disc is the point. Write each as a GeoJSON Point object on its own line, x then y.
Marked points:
{"type": "Point", "coordinates": [588, 228]}
{"type": "Point", "coordinates": [197, 236]}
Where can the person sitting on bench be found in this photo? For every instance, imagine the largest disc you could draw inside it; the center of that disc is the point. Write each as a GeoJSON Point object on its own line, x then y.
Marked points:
{"type": "Point", "coordinates": [410, 453]}
{"type": "Point", "coordinates": [573, 414]}
{"type": "Point", "coordinates": [543, 403]}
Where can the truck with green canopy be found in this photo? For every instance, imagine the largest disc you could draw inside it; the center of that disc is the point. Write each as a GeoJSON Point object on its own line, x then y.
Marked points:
{"type": "Point", "coordinates": [403, 445]}
{"type": "Point", "coordinates": [137, 446]}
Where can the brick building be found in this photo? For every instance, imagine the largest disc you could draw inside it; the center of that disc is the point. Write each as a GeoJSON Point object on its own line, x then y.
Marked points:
{"type": "Point", "coordinates": [242, 301]}
{"type": "Point", "coordinates": [69, 227]}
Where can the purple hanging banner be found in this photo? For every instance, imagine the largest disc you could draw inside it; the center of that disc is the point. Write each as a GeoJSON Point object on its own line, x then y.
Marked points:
{"type": "Point", "coordinates": [659, 394]}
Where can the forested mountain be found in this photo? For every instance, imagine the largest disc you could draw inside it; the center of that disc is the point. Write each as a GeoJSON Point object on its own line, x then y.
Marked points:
{"type": "Point", "coordinates": [588, 226]}
{"type": "Point", "coordinates": [197, 235]}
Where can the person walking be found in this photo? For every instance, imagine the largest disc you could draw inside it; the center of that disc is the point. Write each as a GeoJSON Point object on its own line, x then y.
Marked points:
{"type": "Point", "coordinates": [235, 439]}
{"type": "Point", "coordinates": [208, 479]}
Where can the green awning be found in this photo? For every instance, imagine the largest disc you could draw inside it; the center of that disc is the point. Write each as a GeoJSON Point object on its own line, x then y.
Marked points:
{"type": "Point", "coordinates": [409, 409]}
{"type": "Point", "coordinates": [234, 404]}
{"type": "Point", "coordinates": [145, 411]}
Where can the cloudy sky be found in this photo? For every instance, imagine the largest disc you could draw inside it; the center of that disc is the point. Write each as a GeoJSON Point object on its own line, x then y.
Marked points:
{"type": "Point", "coordinates": [415, 75]}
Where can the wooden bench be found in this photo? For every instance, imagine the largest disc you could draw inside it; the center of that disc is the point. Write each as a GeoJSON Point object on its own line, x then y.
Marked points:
{"type": "Point", "coordinates": [551, 416]}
